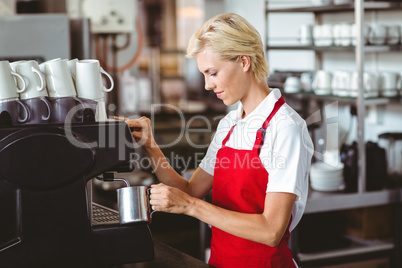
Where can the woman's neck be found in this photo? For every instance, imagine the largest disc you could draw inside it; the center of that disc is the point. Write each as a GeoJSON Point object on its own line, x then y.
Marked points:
{"type": "Point", "coordinates": [256, 94]}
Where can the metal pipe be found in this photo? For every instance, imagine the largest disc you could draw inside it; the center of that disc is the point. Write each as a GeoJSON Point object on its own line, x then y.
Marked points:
{"type": "Point", "coordinates": [359, 20]}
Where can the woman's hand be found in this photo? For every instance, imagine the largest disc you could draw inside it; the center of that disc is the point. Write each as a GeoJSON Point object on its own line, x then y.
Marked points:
{"type": "Point", "coordinates": [142, 131]}
{"type": "Point", "coordinates": [170, 199]}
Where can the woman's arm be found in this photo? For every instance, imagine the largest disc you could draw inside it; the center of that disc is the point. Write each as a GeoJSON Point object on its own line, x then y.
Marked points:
{"type": "Point", "coordinates": [200, 183]}
{"type": "Point", "coordinates": [267, 228]}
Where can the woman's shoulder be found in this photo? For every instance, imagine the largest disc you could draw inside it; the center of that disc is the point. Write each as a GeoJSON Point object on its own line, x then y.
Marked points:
{"type": "Point", "coordinates": [287, 116]}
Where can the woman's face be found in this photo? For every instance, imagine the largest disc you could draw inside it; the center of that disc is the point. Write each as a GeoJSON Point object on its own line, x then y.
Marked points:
{"type": "Point", "coordinates": [228, 79]}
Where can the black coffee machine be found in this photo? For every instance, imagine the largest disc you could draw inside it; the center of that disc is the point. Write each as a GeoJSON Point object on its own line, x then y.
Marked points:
{"type": "Point", "coordinates": [47, 215]}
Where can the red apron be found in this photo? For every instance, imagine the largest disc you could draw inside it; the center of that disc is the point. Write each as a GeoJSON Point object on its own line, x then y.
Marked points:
{"type": "Point", "coordinates": [240, 180]}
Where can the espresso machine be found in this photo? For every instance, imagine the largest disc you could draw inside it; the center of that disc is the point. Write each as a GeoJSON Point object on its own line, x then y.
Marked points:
{"type": "Point", "coordinates": [48, 218]}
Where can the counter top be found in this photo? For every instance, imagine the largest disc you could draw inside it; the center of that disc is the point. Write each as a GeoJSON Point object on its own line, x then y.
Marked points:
{"type": "Point", "coordinates": [168, 257]}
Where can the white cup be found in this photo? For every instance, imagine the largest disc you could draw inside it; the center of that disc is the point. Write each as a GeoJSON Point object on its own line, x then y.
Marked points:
{"type": "Point", "coordinates": [8, 87]}
{"type": "Point", "coordinates": [371, 84]}
{"type": "Point", "coordinates": [394, 34]}
{"type": "Point", "coordinates": [341, 83]}
{"type": "Point", "coordinates": [389, 82]}
{"type": "Point", "coordinates": [58, 78]}
{"type": "Point", "coordinates": [306, 79]}
{"type": "Point", "coordinates": [378, 34]}
{"type": "Point", "coordinates": [342, 34]}
{"type": "Point", "coordinates": [292, 84]}
{"type": "Point", "coordinates": [101, 114]}
{"type": "Point", "coordinates": [36, 81]}
{"type": "Point", "coordinates": [322, 83]}
{"type": "Point", "coordinates": [306, 34]}
{"type": "Point", "coordinates": [323, 35]}
{"type": "Point", "coordinates": [89, 80]}
{"type": "Point", "coordinates": [72, 66]}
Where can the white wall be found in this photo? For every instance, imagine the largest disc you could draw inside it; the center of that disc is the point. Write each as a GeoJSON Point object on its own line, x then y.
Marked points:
{"type": "Point", "coordinates": [251, 10]}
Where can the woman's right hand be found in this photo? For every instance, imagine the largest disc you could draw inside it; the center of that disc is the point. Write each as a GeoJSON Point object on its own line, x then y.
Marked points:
{"type": "Point", "coordinates": [142, 131]}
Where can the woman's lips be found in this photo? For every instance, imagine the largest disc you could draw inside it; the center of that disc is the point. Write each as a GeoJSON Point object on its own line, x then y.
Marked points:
{"type": "Point", "coordinates": [219, 94]}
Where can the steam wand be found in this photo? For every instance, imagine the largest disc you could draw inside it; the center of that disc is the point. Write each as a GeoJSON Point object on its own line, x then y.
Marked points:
{"type": "Point", "coordinates": [110, 177]}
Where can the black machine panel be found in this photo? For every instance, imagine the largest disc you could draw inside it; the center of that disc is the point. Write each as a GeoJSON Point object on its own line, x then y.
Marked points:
{"type": "Point", "coordinates": [45, 203]}
{"type": "Point", "coordinates": [45, 158]}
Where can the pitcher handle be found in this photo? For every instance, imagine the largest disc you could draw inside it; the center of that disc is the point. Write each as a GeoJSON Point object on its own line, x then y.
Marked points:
{"type": "Point", "coordinates": [27, 114]}
{"type": "Point", "coordinates": [110, 78]}
{"type": "Point", "coordinates": [151, 211]}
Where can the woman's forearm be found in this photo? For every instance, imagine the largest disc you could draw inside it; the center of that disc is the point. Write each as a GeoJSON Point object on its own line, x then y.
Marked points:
{"type": "Point", "coordinates": [164, 171]}
{"type": "Point", "coordinates": [254, 227]}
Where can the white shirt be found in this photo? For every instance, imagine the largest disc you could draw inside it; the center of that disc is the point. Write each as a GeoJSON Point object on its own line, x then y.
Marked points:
{"type": "Point", "coordinates": [286, 153]}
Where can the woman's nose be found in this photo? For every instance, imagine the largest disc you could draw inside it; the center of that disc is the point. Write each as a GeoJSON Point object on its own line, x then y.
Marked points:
{"type": "Point", "coordinates": [208, 85]}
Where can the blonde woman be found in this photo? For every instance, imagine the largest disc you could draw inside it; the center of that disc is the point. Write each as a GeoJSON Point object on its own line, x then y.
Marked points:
{"type": "Point", "coordinates": [257, 164]}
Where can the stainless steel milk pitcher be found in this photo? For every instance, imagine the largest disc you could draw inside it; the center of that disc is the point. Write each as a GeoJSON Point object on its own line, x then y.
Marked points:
{"type": "Point", "coordinates": [133, 204]}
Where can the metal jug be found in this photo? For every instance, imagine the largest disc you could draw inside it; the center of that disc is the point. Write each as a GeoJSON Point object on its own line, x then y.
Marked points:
{"type": "Point", "coordinates": [133, 204]}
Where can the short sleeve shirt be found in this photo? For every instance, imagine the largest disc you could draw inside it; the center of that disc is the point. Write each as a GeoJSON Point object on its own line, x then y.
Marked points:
{"type": "Point", "coordinates": [286, 153]}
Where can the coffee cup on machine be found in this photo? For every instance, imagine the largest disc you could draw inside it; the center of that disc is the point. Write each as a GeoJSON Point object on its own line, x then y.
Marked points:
{"type": "Point", "coordinates": [89, 80]}
{"type": "Point", "coordinates": [9, 90]}
{"type": "Point", "coordinates": [58, 78]}
{"type": "Point", "coordinates": [90, 86]}
{"type": "Point", "coordinates": [35, 94]}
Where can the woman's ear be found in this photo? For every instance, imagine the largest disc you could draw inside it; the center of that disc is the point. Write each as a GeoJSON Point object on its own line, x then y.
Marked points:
{"type": "Point", "coordinates": [245, 62]}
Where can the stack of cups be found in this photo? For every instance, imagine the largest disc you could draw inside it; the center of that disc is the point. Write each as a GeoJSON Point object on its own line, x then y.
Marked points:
{"type": "Point", "coordinates": [61, 89]}
{"type": "Point", "coordinates": [57, 90]}
{"type": "Point", "coordinates": [34, 96]}
{"type": "Point", "coordinates": [10, 104]}
{"type": "Point", "coordinates": [74, 85]}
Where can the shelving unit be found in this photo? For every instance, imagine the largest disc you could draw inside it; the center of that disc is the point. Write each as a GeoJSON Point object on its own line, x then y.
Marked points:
{"type": "Point", "coordinates": [321, 202]}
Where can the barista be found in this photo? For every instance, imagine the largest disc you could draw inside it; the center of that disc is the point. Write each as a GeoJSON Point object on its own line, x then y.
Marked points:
{"type": "Point", "coordinates": [257, 164]}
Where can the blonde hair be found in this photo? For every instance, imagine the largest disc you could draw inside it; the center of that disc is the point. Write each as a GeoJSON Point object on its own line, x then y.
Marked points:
{"type": "Point", "coordinates": [231, 36]}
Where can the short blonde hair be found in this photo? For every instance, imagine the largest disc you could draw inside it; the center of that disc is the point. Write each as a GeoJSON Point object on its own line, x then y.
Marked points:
{"type": "Point", "coordinates": [231, 36]}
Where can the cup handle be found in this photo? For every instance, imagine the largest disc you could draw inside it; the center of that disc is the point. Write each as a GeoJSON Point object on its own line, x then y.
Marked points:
{"type": "Point", "coordinates": [49, 109]}
{"type": "Point", "coordinates": [26, 112]}
{"type": "Point", "coordinates": [110, 78]}
{"type": "Point", "coordinates": [23, 81]}
{"type": "Point", "coordinates": [79, 115]}
{"type": "Point", "coordinates": [41, 78]}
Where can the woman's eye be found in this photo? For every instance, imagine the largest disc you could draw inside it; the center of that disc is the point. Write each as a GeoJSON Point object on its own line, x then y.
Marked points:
{"type": "Point", "coordinates": [212, 74]}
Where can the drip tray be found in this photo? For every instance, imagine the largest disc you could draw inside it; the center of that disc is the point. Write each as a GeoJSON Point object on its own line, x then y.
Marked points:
{"type": "Point", "coordinates": [102, 215]}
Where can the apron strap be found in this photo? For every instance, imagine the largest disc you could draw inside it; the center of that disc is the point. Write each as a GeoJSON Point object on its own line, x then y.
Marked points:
{"type": "Point", "coordinates": [228, 135]}
{"type": "Point", "coordinates": [259, 140]}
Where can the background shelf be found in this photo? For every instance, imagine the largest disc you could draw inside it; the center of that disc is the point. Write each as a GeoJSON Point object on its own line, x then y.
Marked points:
{"type": "Point", "coordinates": [375, 5]}
{"type": "Point", "coordinates": [331, 201]}
{"type": "Point", "coordinates": [346, 100]}
{"type": "Point", "coordinates": [367, 48]}
{"type": "Point", "coordinates": [358, 246]}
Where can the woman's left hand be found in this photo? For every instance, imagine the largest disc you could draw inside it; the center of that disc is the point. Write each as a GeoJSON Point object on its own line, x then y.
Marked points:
{"type": "Point", "coordinates": [170, 199]}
